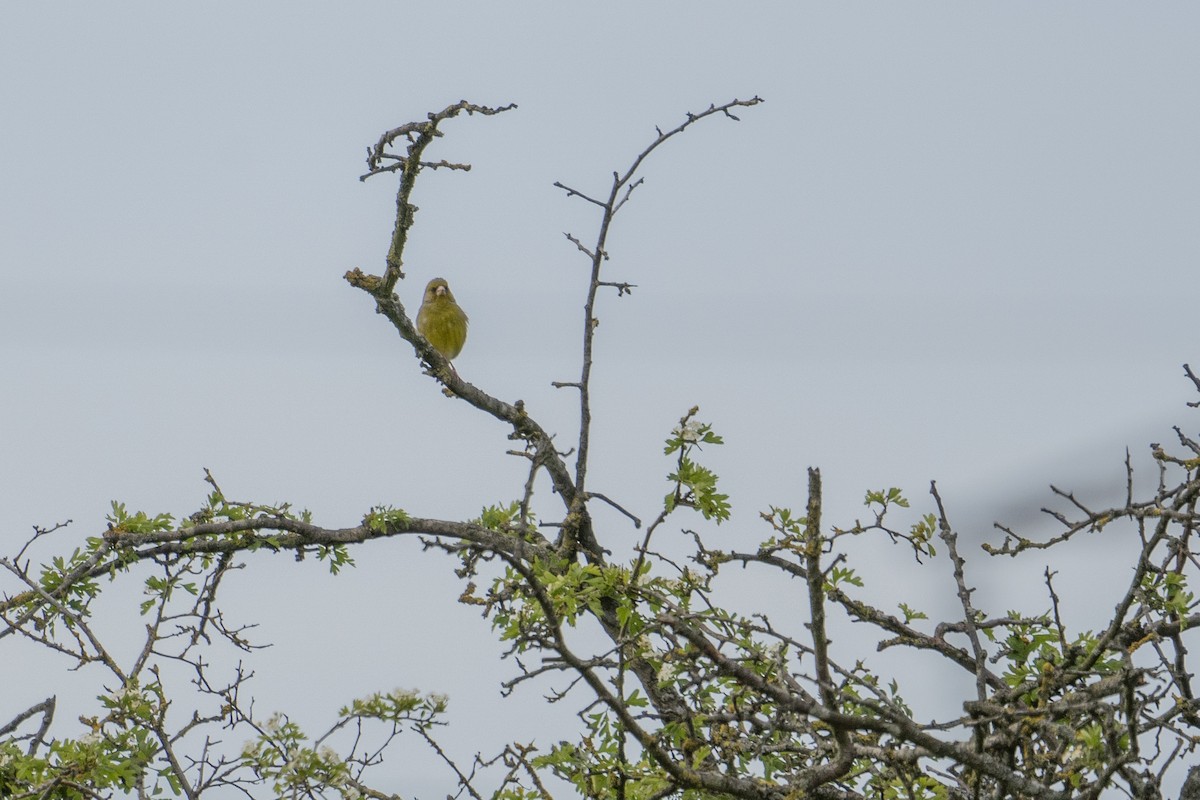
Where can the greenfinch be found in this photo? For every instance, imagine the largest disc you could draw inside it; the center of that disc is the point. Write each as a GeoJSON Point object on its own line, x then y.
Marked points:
{"type": "Point", "coordinates": [441, 321]}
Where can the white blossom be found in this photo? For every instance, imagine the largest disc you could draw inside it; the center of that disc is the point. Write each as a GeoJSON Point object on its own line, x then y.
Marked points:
{"type": "Point", "coordinates": [688, 432]}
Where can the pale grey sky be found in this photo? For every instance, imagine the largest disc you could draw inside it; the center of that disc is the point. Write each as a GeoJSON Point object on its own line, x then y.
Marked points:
{"type": "Point", "coordinates": [957, 242]}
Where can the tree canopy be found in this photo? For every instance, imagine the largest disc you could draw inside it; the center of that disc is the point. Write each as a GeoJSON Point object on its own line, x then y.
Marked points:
{"type": "Point", "coordinates": [678, 691]}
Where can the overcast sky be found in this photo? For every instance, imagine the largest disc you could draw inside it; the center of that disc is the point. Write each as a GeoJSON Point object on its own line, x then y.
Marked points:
{"type": "Point", "coordinates": [957, 242]}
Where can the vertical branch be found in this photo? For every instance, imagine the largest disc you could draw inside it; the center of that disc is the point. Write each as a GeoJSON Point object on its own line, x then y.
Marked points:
{"type": "Point", "coordinates": [1178, 668]}
{"type": "Point", "coordinates": [622, 187]}
{"type": "Point", "coordinates": [947, 535]}
{"type": "Point", "coordinates": [589, 334]}
{"type": "Point", "coordinates": [814, 543]}
{"type": "Point", "coordinates": [622, 733]}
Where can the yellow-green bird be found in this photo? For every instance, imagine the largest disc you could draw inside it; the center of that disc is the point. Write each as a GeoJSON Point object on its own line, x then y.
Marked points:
{"type": "Point", "coordinates": [441, 321]}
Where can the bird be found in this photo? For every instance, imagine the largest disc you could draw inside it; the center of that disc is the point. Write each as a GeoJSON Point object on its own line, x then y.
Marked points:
{"type": "Point", "coordinates": [441, 321]}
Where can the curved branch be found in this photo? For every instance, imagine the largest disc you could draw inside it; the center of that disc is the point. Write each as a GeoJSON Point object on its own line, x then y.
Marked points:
{"type": "Point", "coordinates": [269, 533]}
{"type": "Point", "coordinates": [419, 136]}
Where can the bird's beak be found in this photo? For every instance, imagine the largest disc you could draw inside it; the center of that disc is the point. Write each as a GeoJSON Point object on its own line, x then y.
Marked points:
{"type": "Point", "coordinates": [439, 291]}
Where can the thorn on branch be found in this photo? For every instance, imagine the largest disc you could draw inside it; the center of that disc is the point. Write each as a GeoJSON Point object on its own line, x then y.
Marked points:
{"type": "Point", "coordinates": [622, 288]}
{"type": "Point", "coordinates": [582, 248]}
{"type": "Point", "coordinates": [576, 193]}
{"type": "Point", "coordinates": [628, 191]}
